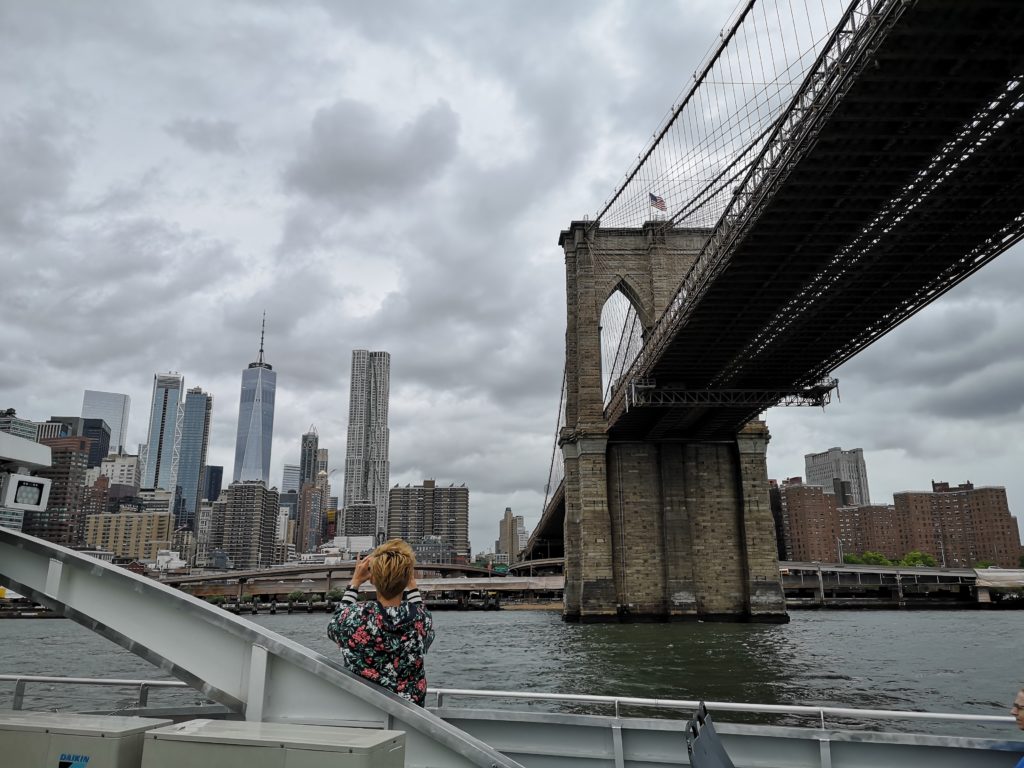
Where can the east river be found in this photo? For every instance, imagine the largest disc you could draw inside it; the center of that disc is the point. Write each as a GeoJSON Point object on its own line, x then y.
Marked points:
{"type": "Point", "coordinates": [950, 661]}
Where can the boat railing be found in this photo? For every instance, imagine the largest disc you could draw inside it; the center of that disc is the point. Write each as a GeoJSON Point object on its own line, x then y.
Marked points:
{"type": "Point", "coordinates": [21, 682]}
{"type": "Point", "coordinates": [819, 712]}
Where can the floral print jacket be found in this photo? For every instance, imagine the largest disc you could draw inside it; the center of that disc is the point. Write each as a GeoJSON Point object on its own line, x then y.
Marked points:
{"type": "Point", "coordinates": [385, 645]}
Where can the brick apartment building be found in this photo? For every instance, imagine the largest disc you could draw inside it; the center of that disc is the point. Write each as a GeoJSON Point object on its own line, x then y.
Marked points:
{"type": "Point", "coordinates": [806, 521]}
{"type": "Point", "coordinates": [958, 526]}
{"type": "Point", "coordinates": [871, 528]}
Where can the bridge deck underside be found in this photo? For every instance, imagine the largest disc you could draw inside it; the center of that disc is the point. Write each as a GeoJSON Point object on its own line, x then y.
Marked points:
{"type": "Point", "coordinates": [803, 288]}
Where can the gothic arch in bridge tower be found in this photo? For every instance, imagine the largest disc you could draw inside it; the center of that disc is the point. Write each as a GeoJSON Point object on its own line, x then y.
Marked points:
{"type": "Point", "coordinates": [623, 330]}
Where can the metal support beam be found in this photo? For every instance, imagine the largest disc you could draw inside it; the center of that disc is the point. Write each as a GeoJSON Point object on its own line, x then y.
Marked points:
{"type": "Point", "coordinates": [646, 392]}
{"type": "Point", "coordinates": [253, 671]}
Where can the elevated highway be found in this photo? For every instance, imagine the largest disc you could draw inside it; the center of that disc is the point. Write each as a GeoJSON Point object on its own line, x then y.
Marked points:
{"type": "Point", "coordinates": [311, 570]}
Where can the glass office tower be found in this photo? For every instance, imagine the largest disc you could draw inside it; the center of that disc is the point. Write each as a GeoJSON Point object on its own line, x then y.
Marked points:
{"type": "Point", "coordinates": [113, 408]}
{"type": "Point", "coordinates": [255, 422]}
{"type": "Point", "coordinates": [195, 440]}
{"type": "Point", "coordinates": [159, 455]}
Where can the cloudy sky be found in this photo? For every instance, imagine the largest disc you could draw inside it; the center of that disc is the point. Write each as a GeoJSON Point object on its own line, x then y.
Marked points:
{"type": "Point", "coordinates": [394, 177]}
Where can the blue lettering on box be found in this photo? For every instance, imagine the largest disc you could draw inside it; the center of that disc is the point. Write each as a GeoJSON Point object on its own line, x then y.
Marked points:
{"type": "Point", "coordinates": [68, 760]}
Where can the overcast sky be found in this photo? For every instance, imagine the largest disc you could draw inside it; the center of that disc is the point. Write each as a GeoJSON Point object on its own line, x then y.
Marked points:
{"type": "Point", "coordinates": [394, 177]}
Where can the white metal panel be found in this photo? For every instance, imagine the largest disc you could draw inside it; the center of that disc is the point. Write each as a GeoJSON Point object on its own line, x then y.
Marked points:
{"type": "Point", "coordinates": [213, 651]}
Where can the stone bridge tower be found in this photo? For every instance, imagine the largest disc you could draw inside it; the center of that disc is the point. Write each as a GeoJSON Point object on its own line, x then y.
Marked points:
{"type": "Point", "coordinates": [666, 529]}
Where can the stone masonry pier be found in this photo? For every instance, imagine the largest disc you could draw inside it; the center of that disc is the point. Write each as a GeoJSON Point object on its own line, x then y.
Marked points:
{"type": "Point", "coordinates": [672, 528]}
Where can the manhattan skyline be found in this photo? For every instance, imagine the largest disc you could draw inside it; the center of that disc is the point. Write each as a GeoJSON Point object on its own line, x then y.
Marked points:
{"type": "Point", "coordinates": [408, 197]}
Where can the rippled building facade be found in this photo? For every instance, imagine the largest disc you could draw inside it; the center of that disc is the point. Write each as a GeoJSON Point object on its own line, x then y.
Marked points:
{"type": "Point", "coordinates": [367, 468]}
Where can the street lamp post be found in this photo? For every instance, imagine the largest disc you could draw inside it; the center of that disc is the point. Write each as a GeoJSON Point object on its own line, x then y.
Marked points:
{"type": "Point", "coordinates": [839, 541]}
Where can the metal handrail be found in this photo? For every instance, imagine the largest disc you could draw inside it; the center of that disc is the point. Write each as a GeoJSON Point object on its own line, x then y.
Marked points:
{"type": "Point", "coordinates": [723, 706]}
{"type": "Point", "coordinates": [144, 686]}
{"type": "Point", "coordinates": [618, 701]}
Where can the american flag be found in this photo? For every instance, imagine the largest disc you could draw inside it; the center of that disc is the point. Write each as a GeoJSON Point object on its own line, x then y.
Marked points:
{"type": "Point", "coordinates": [657, 201]}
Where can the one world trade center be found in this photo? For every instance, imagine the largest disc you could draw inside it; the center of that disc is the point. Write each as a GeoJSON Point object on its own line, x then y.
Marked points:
{"type": "Point", "coordinates": [255, 421]}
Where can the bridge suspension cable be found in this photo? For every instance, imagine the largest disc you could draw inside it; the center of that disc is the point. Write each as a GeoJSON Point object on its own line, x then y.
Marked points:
{"type": "Point", "coordinates": [784, 130]}
{"type": "Point", "coordinates": [708, 142]}
{"type": "Point", "coordinates": [556, 469]}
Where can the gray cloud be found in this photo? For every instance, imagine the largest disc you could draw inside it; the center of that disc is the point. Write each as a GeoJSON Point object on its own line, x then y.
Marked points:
{"type": "Point", "coordinates": [36, 165]}
{"type": "Point", "coordinates": [354, 160]}
{"type": "Point", "coordinates": [210, 136]}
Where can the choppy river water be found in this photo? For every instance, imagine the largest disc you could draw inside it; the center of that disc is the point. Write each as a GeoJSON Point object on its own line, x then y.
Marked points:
{"type": "Point", "coordinates": [962, 661]}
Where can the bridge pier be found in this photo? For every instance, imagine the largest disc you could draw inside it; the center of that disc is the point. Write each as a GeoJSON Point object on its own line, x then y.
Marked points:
{"type": "Point", "coordinates": [590, 592]}
{"type": "Point", "coordinates": [656, 528]}
{"type": "Point", "coordinates": [670, 531]}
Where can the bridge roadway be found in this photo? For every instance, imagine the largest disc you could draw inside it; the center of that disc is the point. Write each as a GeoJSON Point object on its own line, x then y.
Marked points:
{"type": "Point", "coordinates": [311, 569]}
{"type": "Point", "coordinates": [895, 185]}
{"type": "Point", "coordinates": [806, 584]}
{"type": "Point", "coordinates": [1007, 576]}
{"type": "Point", "coordinates": [519, 585]}
{"type": "Point", "coordinates": [810, 575]}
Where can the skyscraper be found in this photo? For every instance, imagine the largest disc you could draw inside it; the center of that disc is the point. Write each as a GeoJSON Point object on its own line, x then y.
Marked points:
{"type": "Point", "coordinates": [310, 497]}
{"type": "Point", "coordinates": [195, 439]}
{"type": "Point", "coordinates": [113, 408]}
{"type": "Point", "coordinates": [834, 467]}
{"type": "Point", "coordinates": [512, 537]}
{"type": "Point", "coordinates": [213, 479]}
{"type": "Point", "coordinates": [367, 469]}
{"type": "Point", "coordinates": [255, 421]}
{"type": "Point", "coordinates": [96, 429]}
{"type": "Point", "coordinates": [62, 521]}
{"type": "Point", "coordinates": [290, 478]}
{"type": "Point", "coordinates": [307, 457]}
{"type": "Point", "coordinates": [159, 455]}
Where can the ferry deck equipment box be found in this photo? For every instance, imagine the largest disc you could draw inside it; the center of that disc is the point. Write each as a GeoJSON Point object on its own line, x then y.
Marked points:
{"type": "Point", "coordinates": [237, 744]}
{"type": "Point", "coordinates": [52, 739]}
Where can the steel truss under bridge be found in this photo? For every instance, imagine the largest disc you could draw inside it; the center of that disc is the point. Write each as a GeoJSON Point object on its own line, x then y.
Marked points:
{"type": "Point", "coordinates": [646, 392]}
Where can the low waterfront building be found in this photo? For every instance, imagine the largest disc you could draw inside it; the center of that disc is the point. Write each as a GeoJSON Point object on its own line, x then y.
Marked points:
{"type": "Point", "coordinates": [434, 549]}
{"type": "Point", "coordinates": [133, 535]}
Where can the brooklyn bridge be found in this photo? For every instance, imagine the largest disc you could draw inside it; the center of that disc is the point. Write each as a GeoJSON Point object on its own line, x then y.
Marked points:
{"type": "Point", "coordinates": [823, 179]}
